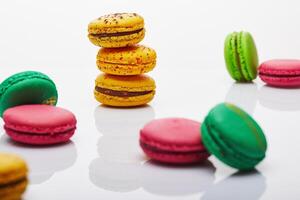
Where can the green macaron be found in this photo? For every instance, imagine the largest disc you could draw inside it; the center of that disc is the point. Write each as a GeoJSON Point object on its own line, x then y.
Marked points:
{"type": "Point", "coordinates": [241, 56]}
{"type": "Point", "coordinates": [233, 137]}
{"type": "Point", "coordinates": [27, 87]}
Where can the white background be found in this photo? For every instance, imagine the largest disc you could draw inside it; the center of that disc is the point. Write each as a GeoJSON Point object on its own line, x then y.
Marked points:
{"type": "Point", "coordinates": [103, 161]}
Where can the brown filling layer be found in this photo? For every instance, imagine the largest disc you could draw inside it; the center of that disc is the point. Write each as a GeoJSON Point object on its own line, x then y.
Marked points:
{"type": "Point", "coordinates": [153, 149]}
{"type": "Point", "coordinates": [120, 93]}
{"type": "Point", "coordinates": [280, 76]}
{"type": "Point", "coordinates": [11, 184]}
{"type": "Point", "coordinates": [117, 34]}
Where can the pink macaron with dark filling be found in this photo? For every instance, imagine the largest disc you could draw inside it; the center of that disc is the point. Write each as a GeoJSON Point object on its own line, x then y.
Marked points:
{"type": "Point", "coordinates": [173, 140]}
{"type": "Point", "coordinates": [39, 124]}
{"type": "Point", "coordinates": [280, 73]}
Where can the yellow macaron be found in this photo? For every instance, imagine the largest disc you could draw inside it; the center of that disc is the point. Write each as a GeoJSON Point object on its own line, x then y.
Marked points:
{"type": "Point", "coordinates": [131, 60]}
{"type": "Point", "coordinates": [117, 30]}
{"type": "Point", "coordinates": [13, 176]}
{"type": "Point", "coordinates": [124, 91]}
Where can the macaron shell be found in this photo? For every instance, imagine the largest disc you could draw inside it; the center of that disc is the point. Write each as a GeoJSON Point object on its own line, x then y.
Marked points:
{"type": "Point", "coordinates": [118, 41]}
{"type": "Point", "coordinates": [131, 60]}
{"type": "Point", "coordinates": [27, 88]}
{"type": "Point", "coordinates": [231, 57]}
{"type": "Point", "coordinates": [125, 69]}
{"type": "Point", "coordinates": [234, 137]}
{"type": "Point", "coordinates": [12, 168]}
{"type": "Point", "coordinates": [123, 101]}
{"type": "Point", "coordinates": [177, 134]}
{"type": "Point", "coordinates": [40, 139]}
{"type": "Point", "coordinates": [137, 54]}
{"type": "Point", "coordinates": [126, 83]}
{"type": "Point", "coordinates": [118, 22]}
{"type": "Point", "coordinates": [40, 119]}
{"type": "Point", "coordinates": [248, 55]}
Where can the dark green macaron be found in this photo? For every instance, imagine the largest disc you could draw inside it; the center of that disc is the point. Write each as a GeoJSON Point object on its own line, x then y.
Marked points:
{"type": "Point", "coordinates": [241, 56]}
{"type": "Point", "coordinates": [27, 87]}
{"type": "Point", "coordinates": [234, 137]}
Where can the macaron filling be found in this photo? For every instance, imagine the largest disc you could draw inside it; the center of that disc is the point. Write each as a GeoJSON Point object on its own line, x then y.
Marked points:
{"type": "Point", "coordinates": [279, 75]}
{"type": "Point", "coordinates": [14, 183]}
{"type": "Point", "coordinates": [124, 33]}
{"type": "Point", "coordinates": [121, 93]}
{"type": "Point", "coordinates": [156, 150]}
{"type": "Point", "coordinates": [45, 133]}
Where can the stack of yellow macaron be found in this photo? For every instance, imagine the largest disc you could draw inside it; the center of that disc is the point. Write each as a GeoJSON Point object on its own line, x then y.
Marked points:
{"type": "Point", "coordinates": [123, 61]}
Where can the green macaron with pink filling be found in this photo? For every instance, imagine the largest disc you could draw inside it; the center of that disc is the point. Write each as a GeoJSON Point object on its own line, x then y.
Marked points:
{"type": "Point", "coordinates": [241, 56]}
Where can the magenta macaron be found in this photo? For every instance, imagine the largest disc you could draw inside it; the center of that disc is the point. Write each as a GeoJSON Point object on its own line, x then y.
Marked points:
{"type": "Point", "coordinates": [173, 140]}
{"type": "Point", "coordinates": [280, 73]}
{"type": "Point", "coordinates": [39, 124]}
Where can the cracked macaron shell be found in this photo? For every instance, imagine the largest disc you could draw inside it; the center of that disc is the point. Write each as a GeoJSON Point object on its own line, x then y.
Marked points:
{"type": "Point", "coordinates": [138, 83]}
{"type": "Point", "coordinates": [241, 56]}
{"type": "Point", "coordinates": [133, 60]}
{"type": "Point", "coordinates": [234, 137]}
{"type": "Point", "coordinates": [29, 87]}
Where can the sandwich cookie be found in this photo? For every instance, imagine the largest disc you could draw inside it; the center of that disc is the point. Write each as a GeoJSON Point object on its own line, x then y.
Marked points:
{"type": "Point", "coordinates": [280, 73]}
{"type": "Point", "coordinates": [173, 140]}
{"type": "Point", "coordinates": [13, 176]}
{"type": "Point", "coordinates": [124, 91]}
{"type": "Point", "coordinates": [241, 56]}
{"type": "Point", "coordinates": [39, 124]}
{"type": "Point", "coordinates": [117, 30]}
{"type": "Point", "coordinates": [233, 137]}
{"type": "Point", "coordinates": [29, 87]}
{"type": "Point", "coordinates": [131, 60]}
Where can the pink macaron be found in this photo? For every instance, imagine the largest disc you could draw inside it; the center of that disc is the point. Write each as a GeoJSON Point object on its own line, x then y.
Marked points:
{"type": "Point", "coordinates": [173, 140]}
{"type": "Point", "coordinates": [39, 124]}
{"type": "Point", "coordinates": [280, 73]}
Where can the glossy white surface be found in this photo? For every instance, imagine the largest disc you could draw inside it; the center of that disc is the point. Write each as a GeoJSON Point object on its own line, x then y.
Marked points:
{"type": "Point", "coordinates": [103, 161]}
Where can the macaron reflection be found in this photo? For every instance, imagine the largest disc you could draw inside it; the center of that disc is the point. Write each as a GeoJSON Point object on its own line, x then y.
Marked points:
{"type": "Point", "coordinates": [169, 180]}
{"type": "Point", "coordinates": [243, 95]}
{"type": "Point", "coordinates": [119, 163]}
{"type": "Point", "coordinates": [240, 185]}
{"type": "Point", "coordinates": [279, 99]}
{"type": "Point", "coordinates": [43, 162]}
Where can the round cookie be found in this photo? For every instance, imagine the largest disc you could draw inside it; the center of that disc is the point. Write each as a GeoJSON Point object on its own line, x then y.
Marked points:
{"type": "Point", "coordinates": [29, 87]}
{"type": "Point", "coordinates": [173, 140]}
{"type": "Point", "coordinates": [39, 124]}
{"type": "Point", "coordinates": [233, 137]}
{"type": "Point", "coordinates": [13, 176]}
{"type": "Point", "coordinates": [283, 73]}
{"type": "Point", "coordinates": [124, 91]}
{"type": "Point", "coordinates": [116, 30]}
{"type": "Point", "coordinates": [133, 60]}
{"type": "Point", "coordinates": [241, 56]}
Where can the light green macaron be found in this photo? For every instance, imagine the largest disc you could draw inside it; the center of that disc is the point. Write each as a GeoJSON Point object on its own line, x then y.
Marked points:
{"type": "Point", "coordinates": [241, 56]}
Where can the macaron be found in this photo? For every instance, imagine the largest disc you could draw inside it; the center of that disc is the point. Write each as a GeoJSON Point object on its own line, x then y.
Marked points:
{"type": "Point", "coordinates": [39, 124]}
{"type": "Point", "coordinates": [29, 87]}
{"type": "Point", "coordinates": [131, 60]}
{"type": "Point", "coordinates": [280, 73]}
{"type": "Point", "coordinates": [233, 137]}
{"type": "Point", "coordinates": [124, 91]}
{"type": "Point", "coordinates": [173, 140]}
{"type": "Point", "coordinates": [117, 30]}
{"type": "Point", "coordinates": [241, 56]}
{"type": "Point", "coordinates": [13, 176]}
